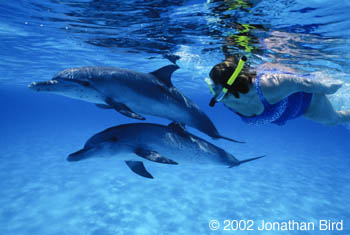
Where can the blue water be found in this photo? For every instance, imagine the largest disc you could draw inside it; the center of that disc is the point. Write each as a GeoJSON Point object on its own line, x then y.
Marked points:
{"type": "Point", "coordinates": [304, 177]}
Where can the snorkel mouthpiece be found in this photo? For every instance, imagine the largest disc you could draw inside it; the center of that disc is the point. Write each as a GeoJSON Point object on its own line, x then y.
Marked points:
{"type": "Point", "coordinates": [212, 102]}
{"type": "Point", "coordinates": [230, 81]}
{"type": "Point", "coordinates": [211, 85]}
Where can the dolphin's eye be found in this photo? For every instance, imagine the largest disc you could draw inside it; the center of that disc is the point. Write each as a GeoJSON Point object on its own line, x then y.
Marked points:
{"type": "Point", "coordinates": [114, 139]}
{"type": "Point", "coordinates": [86, 83]}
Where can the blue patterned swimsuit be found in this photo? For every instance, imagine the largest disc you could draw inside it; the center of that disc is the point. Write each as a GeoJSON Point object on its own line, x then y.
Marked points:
{"type": "Point", "coordinates": [290, 107]}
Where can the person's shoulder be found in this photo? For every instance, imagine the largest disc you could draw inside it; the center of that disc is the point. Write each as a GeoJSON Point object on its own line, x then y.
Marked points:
{"type": "Point", "coordinates": [268, 79]}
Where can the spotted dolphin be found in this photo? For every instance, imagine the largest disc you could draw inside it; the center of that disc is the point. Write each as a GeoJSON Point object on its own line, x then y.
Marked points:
{"type": "Point", "coordinates": [139, 142]}
{"type": "Point", "coordinates": [130, 93]}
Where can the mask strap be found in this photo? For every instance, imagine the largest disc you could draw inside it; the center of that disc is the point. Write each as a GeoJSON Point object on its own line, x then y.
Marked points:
{"type": "Point", "coordinates": [230, 81]}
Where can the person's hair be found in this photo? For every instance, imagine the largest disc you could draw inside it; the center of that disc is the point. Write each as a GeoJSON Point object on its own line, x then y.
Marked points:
{"type": "Point", "coordinates": [220, 73]}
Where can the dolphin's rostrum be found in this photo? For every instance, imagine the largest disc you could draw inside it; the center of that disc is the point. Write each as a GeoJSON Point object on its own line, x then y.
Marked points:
{"type": "Point", "coordinates": [130, 93]}
{"type": "Point", "coordinates": [138, 142]}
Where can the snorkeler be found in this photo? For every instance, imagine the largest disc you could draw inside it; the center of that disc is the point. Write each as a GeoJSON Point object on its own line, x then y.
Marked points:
{"type": "Point", "coordinates": [273, 95]}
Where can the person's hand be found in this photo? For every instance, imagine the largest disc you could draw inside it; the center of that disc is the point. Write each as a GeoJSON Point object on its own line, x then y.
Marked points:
{"type": "Point", "coordinates": [333, 86]}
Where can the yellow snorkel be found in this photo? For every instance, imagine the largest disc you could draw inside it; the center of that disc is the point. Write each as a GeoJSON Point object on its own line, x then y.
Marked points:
{"type": "Point", "coordinates": [230, 81]}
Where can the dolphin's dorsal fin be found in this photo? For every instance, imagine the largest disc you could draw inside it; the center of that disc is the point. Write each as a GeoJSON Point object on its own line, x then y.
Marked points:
{"type": "Point", "coordinates": [177, 126]}
{"type": "Point", "coordinates": [153, 156]}
{"type": "Point", "coordinates": [138, 168]}
{"type": "Point", "coordinates": [164, 74]}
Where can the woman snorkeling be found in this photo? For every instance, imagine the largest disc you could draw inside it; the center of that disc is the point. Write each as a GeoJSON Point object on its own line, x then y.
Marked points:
{"type": "Point", "coordinates": [273, 95]}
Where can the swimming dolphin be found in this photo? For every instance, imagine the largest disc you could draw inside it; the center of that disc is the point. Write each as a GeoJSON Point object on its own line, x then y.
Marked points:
{"type": "Point", "coordinates": [130, 93]}
{"type": "Point", "coordinates": [138, 142]}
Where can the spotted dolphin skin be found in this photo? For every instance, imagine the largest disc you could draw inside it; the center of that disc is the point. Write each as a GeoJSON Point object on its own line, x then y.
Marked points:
{"type": "Point", "coordinates": [139, 142]}
{"type": "Point", "coordinates": [130, 93]}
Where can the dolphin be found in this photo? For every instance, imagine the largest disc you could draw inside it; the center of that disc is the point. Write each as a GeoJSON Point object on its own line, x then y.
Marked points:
{"type": "Point", "coordinates": [138, 142]}
{"type": "Point", "coordinates": [131, 94]}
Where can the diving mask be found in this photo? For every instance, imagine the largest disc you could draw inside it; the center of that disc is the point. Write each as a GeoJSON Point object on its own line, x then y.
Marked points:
{"type": "Point", "coordinates": [220, 96]}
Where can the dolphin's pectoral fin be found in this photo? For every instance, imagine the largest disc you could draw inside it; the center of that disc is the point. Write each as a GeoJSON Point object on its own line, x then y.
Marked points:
{"type": "Point", "coordinates": [177, 126]}
{"type": "Point", "coordinates": [103, 106]}
{"type": "Point", "coordinates": [138, 168]}
{"type": "Point", "coordinates": [164, 74]}
{"type": "Point", "coordinates": [153, 156]}
{"type": "Point", "coordinates": [123, 109]}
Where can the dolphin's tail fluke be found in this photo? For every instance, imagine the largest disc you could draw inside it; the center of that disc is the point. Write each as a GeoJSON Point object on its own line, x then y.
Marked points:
{"type": "Point", "coordinates": [250, 159]}
{"type": "Point", "coordinates": [227, 138]}
{"type": "Point", "coordinates": [204, 124]}
{"type": "Point", "coordinates": [209, 129]}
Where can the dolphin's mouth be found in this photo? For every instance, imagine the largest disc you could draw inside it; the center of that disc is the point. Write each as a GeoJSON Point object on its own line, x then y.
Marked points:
{"type": "Point", "coordinates": [72, 158]}
{"type": "Point", "coordinates": [45, 85]}
{"type": "Point", "coordinates": [78, 155]}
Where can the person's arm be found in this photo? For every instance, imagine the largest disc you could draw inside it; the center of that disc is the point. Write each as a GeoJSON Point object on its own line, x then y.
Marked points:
{"type": "Point", "coordinates": [314, 85]}
{"type": "Point", "coordinates": [278, 86]}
